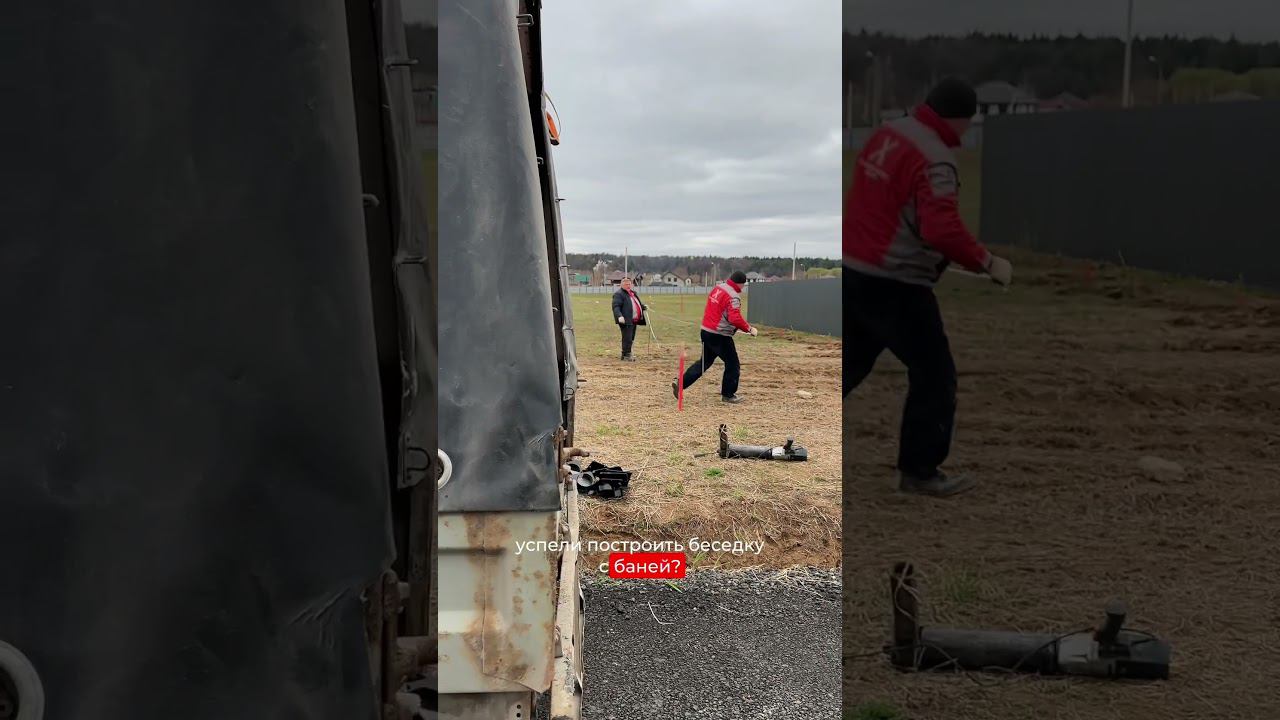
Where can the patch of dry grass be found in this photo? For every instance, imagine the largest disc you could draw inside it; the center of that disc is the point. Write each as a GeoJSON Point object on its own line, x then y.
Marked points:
{"type": "Point", "coordinates": [1067, 381]}
{"type": "Point", "coordinates": [682, 489]}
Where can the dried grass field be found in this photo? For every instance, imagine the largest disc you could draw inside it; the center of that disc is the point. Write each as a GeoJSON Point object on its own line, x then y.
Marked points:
{"type": "Point", "coordinates": [626, 416]}
{"type": "Point", "coordinates": [1125, 430]}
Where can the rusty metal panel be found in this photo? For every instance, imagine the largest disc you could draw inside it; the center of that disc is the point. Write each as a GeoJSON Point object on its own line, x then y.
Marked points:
{"type": "Point", "coordinates": [497, 605]}
{"type": "Point", "coordinates": [497, 706]}
{"type": "Point", "coordinates": [567, 684]}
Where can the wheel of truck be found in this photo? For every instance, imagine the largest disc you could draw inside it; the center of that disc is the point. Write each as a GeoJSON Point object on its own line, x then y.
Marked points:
{"type": "Point", "coordinates": [21, 694]}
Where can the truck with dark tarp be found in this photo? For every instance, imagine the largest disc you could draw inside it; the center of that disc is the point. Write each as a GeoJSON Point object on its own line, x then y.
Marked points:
{"type": "Point", "coordinates": [511, 609]}
{"type": "Point", "coordinates": [218, 450]}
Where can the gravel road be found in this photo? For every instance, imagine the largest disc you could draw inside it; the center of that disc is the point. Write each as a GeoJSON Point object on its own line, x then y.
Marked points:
{"type": "Point", "coordinates": [725, 646]}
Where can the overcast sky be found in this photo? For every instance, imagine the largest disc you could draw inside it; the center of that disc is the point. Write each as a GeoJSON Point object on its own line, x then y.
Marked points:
{"type": "Point", "coordinates": [1257, 20]}
{"type": "Point", "coordinates": [702, 128]}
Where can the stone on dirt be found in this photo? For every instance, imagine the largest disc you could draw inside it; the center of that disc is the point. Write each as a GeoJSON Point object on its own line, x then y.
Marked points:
{"type": "Point", "coordinates": [1157, 468]}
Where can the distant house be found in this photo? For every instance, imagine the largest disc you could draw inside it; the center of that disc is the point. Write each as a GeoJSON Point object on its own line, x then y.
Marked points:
{"type": "Point", "coordinates": [648, 279]}
{"type": "Point", "coordinates": [772, 278]}
{"type": "Point", "coordinates": [1065, 101]}
{"type": "Point", "coordinates": [1001, 98]}
{"type": "Point", "coordinates": [754, 277]}
{"type": "Point", "coordinates": [679, 276]}
{"type": "Point", "coordinates": [579, 278]}
{"type": "Point", "coordinates": [614, 278]}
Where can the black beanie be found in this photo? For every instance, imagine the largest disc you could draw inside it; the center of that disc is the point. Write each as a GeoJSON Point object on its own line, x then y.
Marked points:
{"type": "Point", "coordinates": [953, 99]}
{"type": "Point", "coordinates": [738, 276]}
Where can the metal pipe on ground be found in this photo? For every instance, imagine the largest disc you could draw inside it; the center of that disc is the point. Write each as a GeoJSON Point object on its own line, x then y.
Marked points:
{"type": "Point", "coordinates": [1110, 651]}
{"type": "Point", "coordinates": [787, 451]}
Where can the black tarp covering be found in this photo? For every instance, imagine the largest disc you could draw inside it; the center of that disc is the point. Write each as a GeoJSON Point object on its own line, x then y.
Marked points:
{"type": "Point", "coordinates": [562, 313]}
{"type": "Point", "coordinates": [193, 472]}
{"type": "Point", "coordinates": [499, 383]}
{"type": "Point", "coordinates": [564, 301]}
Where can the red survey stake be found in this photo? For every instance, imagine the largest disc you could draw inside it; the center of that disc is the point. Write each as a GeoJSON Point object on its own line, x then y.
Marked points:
{"type": "Point", "coordinates": [680, 381]}
{"type": "Point", "coordinates": [647, 566]}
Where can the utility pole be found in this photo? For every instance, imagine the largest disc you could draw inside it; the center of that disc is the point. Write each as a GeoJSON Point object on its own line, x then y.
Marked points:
{"type": "Point", "coordinates": [1160, 81]}
{"type": "Point", "coordinates": [1126, 99]}
{"type": "Point", "coordinates": [874, 90]}
{"type": "Point", "coordinates": [626, 257]}
{"type": "Point", "coordinates": [848, 106]}
{"type": "Point", "coordinates": [793, 261]}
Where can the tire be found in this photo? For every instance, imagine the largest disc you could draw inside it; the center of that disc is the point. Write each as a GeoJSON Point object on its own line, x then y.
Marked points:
{"type": "Point", "coordinates": [19, 676]}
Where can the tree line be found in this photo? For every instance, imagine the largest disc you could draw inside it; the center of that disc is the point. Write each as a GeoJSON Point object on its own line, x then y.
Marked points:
{"type": "Point", "coordinates": [1088, 67]}
{"type": "Point", "coordinates": [698, 265]}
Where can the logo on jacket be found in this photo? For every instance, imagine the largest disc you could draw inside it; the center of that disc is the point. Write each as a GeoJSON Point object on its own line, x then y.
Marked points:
{"type": "Point", "coordinates": [874, 162]}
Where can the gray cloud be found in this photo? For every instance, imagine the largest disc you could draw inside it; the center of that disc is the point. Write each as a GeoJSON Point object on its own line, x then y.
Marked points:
{"type": "Point", "coordinates": [1255, 20]}
{"type": "Point", "coordinates": [697, 128]}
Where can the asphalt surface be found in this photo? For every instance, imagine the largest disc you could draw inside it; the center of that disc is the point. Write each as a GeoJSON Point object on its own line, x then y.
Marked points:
{"type": "Point", "coordinates": [725, 646]}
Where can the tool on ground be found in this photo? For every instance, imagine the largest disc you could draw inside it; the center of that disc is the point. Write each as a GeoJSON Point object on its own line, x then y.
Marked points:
{"type": "Point", "coordinates": [1110, 651]}
{"type": "Point", "coordinates": [787, 451]}
{"type": "Point", "coordinates": [598, 479]}
{"type": "Point", "coordinates": [648, 323]}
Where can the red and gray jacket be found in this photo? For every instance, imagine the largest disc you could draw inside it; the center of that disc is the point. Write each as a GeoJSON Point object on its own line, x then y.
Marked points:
{"type": "Point", "coordinates": [901, 217]}
{"type": "Point", "coordinates": [723, 315]}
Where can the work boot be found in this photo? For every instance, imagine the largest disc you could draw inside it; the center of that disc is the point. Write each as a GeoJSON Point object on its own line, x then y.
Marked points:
{"type": "Point", "coordinates": [938, 485]}
{"type": "Point", "coordinates": [733, 399]}
{"type": "Point", "coordinates": [675, 388]}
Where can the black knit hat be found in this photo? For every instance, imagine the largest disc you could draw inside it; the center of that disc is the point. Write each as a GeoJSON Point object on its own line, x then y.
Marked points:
{"type": "Point", "coordinates": [738, 276]}
{"type": "Point", "coordinates": [953, 99]}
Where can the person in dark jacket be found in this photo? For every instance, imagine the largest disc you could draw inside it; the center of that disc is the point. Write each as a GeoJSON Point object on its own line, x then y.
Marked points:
{"type": "Point", "coordinates": [721, 319]}
{"type": "Point", "coordinates": [628, 312]}
{"type": "Point", "coordinates": [902, 227]}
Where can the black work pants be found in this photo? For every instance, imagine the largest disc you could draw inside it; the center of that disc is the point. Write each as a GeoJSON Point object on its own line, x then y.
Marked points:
{"type": "Point", "coordinates": [882, 314]}
{"type": "Point", "coordinates": [715, 346]}
{"type": "Point", "coordinates": [628, 337]}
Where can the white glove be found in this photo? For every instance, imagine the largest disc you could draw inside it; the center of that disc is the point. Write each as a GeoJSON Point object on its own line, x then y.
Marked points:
{"type": "Point", "coordinates": [1000, 270]}
{"type": "Point", "coordinates": [754, 332]}
{"type": "Point", "coordinates": [622, 320]}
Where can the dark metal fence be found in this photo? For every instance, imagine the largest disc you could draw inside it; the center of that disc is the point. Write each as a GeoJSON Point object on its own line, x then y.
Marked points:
{"type": "Point", "coordinates": [806, 305]}
{"type": "Point", "coordinates": [1187, 189]}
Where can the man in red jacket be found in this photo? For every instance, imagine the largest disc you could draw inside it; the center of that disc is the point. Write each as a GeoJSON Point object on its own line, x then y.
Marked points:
{"type": "Point", "coordinates": [902, 227]}
{"type": "Point", "coordinates": [721, 319]}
